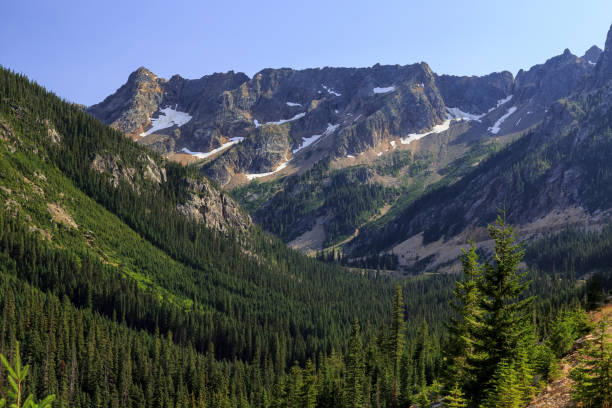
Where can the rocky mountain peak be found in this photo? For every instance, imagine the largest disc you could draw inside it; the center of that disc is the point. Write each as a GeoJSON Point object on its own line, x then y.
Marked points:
{"type": "Point", "coordinates": [131, 106]}
{"type": "Point", "coordinates": [554, 79]}
{"type": "Point", "coordinates": [603, 70]}
{"type": "Point", "coordinates": [592, 54]}
{"type": "Point", "coordinates": [142, 74]}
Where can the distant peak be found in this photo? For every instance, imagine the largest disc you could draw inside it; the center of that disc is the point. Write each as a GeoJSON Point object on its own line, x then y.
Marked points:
{"type": "Point", "coordinates": [592, 54]}
{"type": "Point", "coordinates": [142, 73]}
{"type": "Point", "coordinates": [603, 70]}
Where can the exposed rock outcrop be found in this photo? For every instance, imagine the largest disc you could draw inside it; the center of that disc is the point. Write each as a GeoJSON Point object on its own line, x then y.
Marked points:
{"type": "Point", "coordinates": [130, 108]}
{"type": "Point", "coordinates": [213, 208]}
{"type": "Point", "coordinates": [349, 110]}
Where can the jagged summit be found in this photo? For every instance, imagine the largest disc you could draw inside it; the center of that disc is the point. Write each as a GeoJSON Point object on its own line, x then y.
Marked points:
{"type": "Point", "coordinates": [603, 69]}
{"type": "Point", "coordinates": [328, 112]}
{"type": "Point", "coordinates": [592, 55]}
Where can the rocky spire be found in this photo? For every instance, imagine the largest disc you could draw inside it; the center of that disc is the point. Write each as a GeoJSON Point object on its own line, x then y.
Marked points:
{"type": "Point", "coordinates": [592, 55]}
{"type": "Point", "coordinates": [603, 70]}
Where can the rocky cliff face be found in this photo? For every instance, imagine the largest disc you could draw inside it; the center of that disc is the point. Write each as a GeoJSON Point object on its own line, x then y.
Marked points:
{"type": "Point", "coordinates": [278, 111]}
{"type": "Point", "coordinates": [475, 94]}
{"type": "Point", "coordinates": [556, 175]}
{"type": "Point", "coordinates": [213, 208]}
{"type": "Point", "coordinates": [281, 115]}
{"type": "Point", "coordinates": [204, 203]}
{"type": "Point", "coordinates": [556, 78]}
{"type": "Point", "coordinates": [282, 121]}
{"type": "Point", "coordinates": [592, 55]}
{"type": "Point", "coordinates": [130, 108]}
{"type": "Point", "coordinates": [603, 69]}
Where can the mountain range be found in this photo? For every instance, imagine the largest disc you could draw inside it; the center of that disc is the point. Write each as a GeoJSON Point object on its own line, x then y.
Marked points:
{"type": "Point", "coordinates": [146, 263]}
{"type": "Point", "coordinates": [346, 159]}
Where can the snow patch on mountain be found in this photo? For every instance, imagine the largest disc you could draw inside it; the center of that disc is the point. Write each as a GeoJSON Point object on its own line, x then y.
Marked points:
{"type": "Point", "coordinates": [168, 117]}
{"type": "Point", "coordinates": [280, 122]}
{"type": "Point", "coordinates": [203, 155]}
{"type": "Point", "coordinates": [388, 89]}
{"type": "Point", "coordinates": [331, 91]}
{"type": "Point", "coordinates": [436, 129]}
{"type": "Point", "coordinates": [307, 141]}
{"type": "Point", "coordinates": [293, 104]}
{"type": "Point", "coordinates": [259, 175]}
{"type": "Point", "coordinates": [497, 126]}
{"type": "Point", "coordinates": [457, 113]}
{"type": "Point", "coordinates": [501, 102]}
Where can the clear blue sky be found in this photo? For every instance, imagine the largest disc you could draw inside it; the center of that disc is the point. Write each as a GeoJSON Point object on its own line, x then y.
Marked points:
{"type": "Point", "coordinates": [84, 49]}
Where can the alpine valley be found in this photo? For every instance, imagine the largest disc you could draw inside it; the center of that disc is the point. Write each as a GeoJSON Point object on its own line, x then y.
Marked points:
{"type": "Point", "coordinates": [328, 237]}
{"type": "Point", "coordinates": [388, 166]}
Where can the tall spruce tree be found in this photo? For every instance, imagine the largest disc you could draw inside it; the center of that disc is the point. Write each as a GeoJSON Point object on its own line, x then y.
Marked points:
{"type": "Point", "coordinates": [17, 375]}
{"type": "Point", "coordinates": [503, 319]}
{"type": "Point", "coordinates": [593, 375]}
{"type": "Point", "coordinates": [455, 398]}
{"type": "Point", "coordinates": [355, 370]}
{"type": "Point", "coordinates": [398, 328]}
{"type": "Point", "coordinates": [462, 326]}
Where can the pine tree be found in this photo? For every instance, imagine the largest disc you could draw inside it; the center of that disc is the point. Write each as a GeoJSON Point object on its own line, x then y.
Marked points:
{"type": "Point", "coordinates": [455, 398]}
{"type": "Point", "coordinates": [466, 305]}
{"type": "Point", "coordinates": [355, 370]}
{"type": "Point", "coordinates": [17, 376]}
{"type": "Point", "coordinates": [497, 333]}
{"type": "Point", "coordinates": [504, 390]}
{"type": "Point", "coordinates": [309, 388]}
{"type": "Point", "coordinates": [398, 328]}
{"type": "Point", "coordinates": [593, 375]}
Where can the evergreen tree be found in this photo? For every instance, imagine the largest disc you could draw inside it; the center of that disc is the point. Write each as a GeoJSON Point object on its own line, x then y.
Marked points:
{"type": "Point", "coordinates": [593, 375]}
{"type": "Point", "coordinates": [455, 398]}
{"type": "Point", "coordinates": [309, 388]}
{"type": "Point", "coordinates": [355, 370]}
{"type": "Point", "coordinates": [466, 305]}
{"type": "Point", "coordinates": [396, 339]}
{"type": "Point", "coordinates": [17, 376]}
{"type": "Point", "coordinates": [498, 331]}
{"type": "Point", "coordinates": [504, 390]}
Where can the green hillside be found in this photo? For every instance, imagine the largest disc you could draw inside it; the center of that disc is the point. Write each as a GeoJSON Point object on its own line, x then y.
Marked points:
{"type": "Point", "coordinates": [118, 300]}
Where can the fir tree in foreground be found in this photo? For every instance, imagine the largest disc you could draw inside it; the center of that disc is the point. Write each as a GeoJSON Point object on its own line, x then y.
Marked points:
{"type": "Point", "coordinates": [17, 376]}
{"type": "Point", "coordinates": [593, 375]}
{"type": "Point", "coordinates": [488, 338]}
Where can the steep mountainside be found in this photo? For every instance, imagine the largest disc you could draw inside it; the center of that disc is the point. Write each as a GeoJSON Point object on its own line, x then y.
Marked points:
{"type": "Point", "coordinates": [409, 127]}
{"type": "Point", "coordinates": [273, 120]}
{"type": "Point", "coordinates": [557, 174]}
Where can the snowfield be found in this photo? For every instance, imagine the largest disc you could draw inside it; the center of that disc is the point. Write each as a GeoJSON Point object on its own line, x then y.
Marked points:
{"type": "Point", "coordinates": [457, 113]}
{"type": "Point", "coordinates": [501, 102]}
{"type": "Point", "coordinates": [258, 175]}
{"type": "Point", "coordinates": [388, 89]}
{"type": "Point", "coordinates": [293, 104]}
{"type": "Point", "coordinates": [167, 118]}
{"type": "Point", "coordinates": [497, 126]}
{"type": "Point", "coordinates": [307, 141]}
{"type": "Point", "coordinates": [331, 91]}
{"type": "Point", "coordinates": [280, 122]}
{"type": "Point", "coordinates": [203, 155]}
{"type": "Point", "coordinates": [436, 129]}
